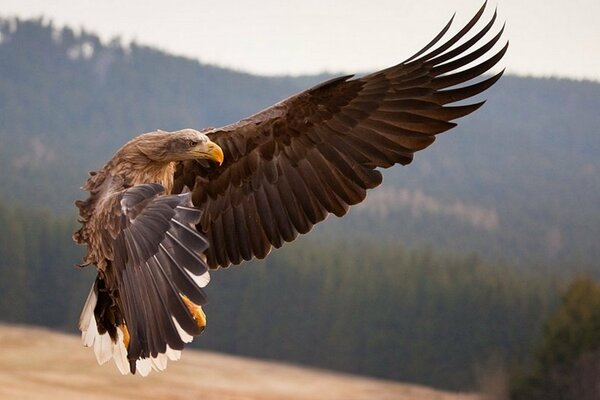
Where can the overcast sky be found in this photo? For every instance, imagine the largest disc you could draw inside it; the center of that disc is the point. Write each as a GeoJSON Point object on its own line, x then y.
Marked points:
{"type": "Point", "coordinates": [547, 37]}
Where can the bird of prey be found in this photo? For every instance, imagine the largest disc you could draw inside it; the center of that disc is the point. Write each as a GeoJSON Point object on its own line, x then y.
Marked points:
{"type": "Point", "coordinates": [170, 206]}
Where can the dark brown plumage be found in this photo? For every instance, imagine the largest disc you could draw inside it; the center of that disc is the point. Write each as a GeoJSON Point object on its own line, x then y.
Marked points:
{"type": "Point", "coordinates": [284, 170]}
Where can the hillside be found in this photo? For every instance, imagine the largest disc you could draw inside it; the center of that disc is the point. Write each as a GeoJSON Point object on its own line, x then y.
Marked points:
{"type": "Point", "coordinates": [39, 364]}
{"type": "Point", "coordinates": [518, 180]}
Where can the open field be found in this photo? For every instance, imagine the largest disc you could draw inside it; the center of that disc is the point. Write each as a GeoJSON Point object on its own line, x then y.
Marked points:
{"type": "Point", "coordinates": [40, 364]}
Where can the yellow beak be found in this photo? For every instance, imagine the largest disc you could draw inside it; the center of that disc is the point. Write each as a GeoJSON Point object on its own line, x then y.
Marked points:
{"type": "Point", "coordinates": [214, 152]}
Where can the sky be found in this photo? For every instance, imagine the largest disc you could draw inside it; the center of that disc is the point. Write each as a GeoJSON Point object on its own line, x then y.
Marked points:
{"type": "Point", "coordinates": [276, 37]}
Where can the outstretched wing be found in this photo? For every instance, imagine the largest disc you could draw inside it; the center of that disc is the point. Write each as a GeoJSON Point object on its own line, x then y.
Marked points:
{"type": "Point", "coordinates": [289, 166]}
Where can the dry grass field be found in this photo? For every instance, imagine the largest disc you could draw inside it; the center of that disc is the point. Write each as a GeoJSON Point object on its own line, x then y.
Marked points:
{"type": "Point", "coordinates": [40, 364]}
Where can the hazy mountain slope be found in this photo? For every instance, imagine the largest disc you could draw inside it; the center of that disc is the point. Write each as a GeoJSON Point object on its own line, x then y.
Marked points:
{"type": "Point", "coordinates": [39, 364]}
{"type": "Point", "coordinates": [520, 179]}
{"type": "Point", "coordinates": [67, 102]}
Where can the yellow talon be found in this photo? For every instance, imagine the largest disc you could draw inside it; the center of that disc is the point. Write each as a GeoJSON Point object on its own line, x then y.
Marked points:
{"type": "Point", "coordinates": [126, 336]}
{"type": "Point", "coordinates": [195, 310]}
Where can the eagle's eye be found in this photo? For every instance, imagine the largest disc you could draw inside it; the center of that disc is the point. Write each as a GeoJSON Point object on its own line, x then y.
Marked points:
{"type": "Point", "coordinates": [192, 143]}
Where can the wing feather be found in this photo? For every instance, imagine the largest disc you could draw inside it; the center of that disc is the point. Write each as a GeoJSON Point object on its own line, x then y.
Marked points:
{"type": "Point", "coordinates": [158, 258]}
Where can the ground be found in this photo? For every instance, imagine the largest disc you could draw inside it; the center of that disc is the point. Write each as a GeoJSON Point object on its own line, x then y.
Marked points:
{"type": "Point", "coordinates": [40, 364]}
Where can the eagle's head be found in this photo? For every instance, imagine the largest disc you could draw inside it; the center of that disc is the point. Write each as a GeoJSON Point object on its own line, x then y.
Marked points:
{"type": "Point", "coordinates": [186, 144]}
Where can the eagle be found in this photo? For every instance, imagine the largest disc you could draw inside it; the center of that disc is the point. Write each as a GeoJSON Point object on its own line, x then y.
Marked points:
{"type": "Point", "coordinates": [171, 206]}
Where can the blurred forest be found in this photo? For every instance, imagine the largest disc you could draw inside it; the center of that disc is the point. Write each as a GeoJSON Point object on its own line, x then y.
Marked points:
{"type": "Point", "coordinates": [566, 360]}
{"type": "Point", "coordinates": [362, 307]}
{"type": "Point", "coordinates": [457, 260]}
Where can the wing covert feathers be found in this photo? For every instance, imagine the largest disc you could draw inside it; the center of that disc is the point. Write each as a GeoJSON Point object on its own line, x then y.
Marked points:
{"type": "Point", "coordinates": [315, 153]}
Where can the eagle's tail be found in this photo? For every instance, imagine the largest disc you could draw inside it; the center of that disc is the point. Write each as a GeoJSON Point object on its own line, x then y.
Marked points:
{"type": "Point", "coordinates": [103, 328]}
{"type": "Point", "coordinates": [105, 346]}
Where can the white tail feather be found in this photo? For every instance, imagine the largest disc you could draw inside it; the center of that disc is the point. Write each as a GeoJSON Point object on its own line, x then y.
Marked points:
{"type": "Point", "coordinates": [90, 333]}
{"type": "Point", "coordinates": [88, 310]}
{"type": "Point", "coordinates": [87, 320]}
{"type": "Point", "coordinates": [120, 354]}
{"type": "Point", "coordinates": [105, 348]}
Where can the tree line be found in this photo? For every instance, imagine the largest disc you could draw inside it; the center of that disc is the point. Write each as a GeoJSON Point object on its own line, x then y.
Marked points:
{"type": "Point", "coordinates": [354, 306]}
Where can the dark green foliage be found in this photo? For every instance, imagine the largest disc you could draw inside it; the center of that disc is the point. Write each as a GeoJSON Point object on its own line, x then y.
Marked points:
{"type": "Point", "coordinates": [352, 306]}
{"type": "Point", "coordinates": [13, 271]}
{"type": "Point", "coordinates": [377, 310]}
{"type": "Point", "coordinates": [39, 282]}
{"type": "Point", "coordinates": [64, 114]}
{"type": "Point", "coordinates": [566, 360]}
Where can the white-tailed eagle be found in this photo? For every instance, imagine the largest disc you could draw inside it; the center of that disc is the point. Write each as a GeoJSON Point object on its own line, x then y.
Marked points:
{"type": "Point", "coordinates": [170, 206]}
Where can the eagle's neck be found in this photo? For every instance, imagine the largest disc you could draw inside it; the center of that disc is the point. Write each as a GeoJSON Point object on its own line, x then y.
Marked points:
{"type": "Point", "coordinates": [150, 172]}
{"type": "Point", "coordinates": [143, 160]}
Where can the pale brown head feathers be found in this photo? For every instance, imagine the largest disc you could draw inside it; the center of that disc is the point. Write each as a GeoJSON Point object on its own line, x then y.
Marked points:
{"type": "Point", "coordinates": [165, 147]}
